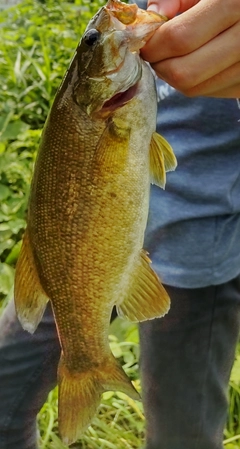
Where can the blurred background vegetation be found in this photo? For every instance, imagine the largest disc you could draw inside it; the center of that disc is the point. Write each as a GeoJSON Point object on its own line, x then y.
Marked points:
{"type": "Point", "coordinates": [37, 41]}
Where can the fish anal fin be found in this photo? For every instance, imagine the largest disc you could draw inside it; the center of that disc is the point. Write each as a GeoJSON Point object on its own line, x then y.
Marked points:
{"type": "Point", "coordinates": [162, 159]}
{"type": "Point", "coordinates": [30, 298]}
{"type": "Point", "coordinates": [80, 394]}
{"type": "Point", "coordinates": [147, 298]}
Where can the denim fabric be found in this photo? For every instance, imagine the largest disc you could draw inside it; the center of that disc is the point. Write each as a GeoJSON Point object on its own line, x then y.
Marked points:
{"type": "Point", "coordinates": [28, 371]}
{"type": "Point", "coordinates": [186, 359]}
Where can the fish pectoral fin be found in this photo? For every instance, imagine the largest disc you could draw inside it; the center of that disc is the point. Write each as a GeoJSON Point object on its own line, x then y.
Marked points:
{"type": "Point", "coordinates": [80, 394]}
{"type": "Point", "coordinates": [162, 159]}
{"type": "Point", "coordinates": [170, 161]}
{"type": "Point", "coordinates": [30, 298]}
{"type": "Point", "coordinates": [147, 298]}
{"type": "Point", "coordinates": [112, 150]}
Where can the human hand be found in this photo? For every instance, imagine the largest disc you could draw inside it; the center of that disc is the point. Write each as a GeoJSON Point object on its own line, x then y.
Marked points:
{"type": "Point", "coordinates": [198, 51]}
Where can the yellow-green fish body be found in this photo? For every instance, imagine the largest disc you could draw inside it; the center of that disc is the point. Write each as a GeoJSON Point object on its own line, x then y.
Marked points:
{"type": "Point", "coordinates": [88, 210]}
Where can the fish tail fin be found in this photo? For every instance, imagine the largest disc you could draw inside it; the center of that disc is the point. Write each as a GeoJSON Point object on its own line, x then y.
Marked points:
{"type": "Point", "coordinates": [78, 399]}
{"type": "Point", "coordinates": [113, 378]}
{"type": "Point", "coordinates": [80, 394]}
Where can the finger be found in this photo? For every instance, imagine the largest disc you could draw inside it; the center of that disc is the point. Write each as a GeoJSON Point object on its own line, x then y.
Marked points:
{"type": "Point", "coordinates": [170, 8]}
{"type": "Point", "coordinates": [186, 72]}
{"type": "Point", "coordinates": [223, 85]}
{"type": "Point", "coordinates": [231, 92]}
{"type": "Point", "coordinates": [190, 30]}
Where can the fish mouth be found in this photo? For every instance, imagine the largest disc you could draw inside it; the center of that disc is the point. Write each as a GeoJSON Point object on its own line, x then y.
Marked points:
{"type": "Point", "coordinates": [120, 99]}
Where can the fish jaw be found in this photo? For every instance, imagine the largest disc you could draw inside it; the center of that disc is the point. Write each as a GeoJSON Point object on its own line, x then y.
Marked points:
{"type": "Point", "coordinates": [108, 54]}
{"type": "Point", "coordinates": [125, 13]}
{"type": "Point", "coordinates": [140, 24]}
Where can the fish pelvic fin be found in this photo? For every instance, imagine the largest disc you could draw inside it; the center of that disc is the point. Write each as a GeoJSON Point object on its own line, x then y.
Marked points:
{"type": "Point", "coordinates": [80, 394]}
{"type": "Point", "coordinates": [162, 159]}
{"type": "Point", "coordinates": [30, 298]}
{"type": "Point", "coordinates": [147, 298]}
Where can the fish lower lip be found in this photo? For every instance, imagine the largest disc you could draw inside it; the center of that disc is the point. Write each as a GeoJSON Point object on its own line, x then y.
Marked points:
{"type": "Point", "coordinates": [120, 99]}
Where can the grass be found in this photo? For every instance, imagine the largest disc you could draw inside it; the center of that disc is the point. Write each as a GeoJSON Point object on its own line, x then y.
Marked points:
{"type": "Point", "coordinates": [37, 40]}
{"type": "Point", "coordinates": [120, 422]}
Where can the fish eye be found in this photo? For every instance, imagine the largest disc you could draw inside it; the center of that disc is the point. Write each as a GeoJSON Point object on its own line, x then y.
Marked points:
{"type": "Point", "coordinates": [91, 37]}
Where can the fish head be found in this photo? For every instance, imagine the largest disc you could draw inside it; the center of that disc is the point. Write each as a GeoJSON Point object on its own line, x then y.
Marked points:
{"type": "Point", "coordinates": [108, 62]}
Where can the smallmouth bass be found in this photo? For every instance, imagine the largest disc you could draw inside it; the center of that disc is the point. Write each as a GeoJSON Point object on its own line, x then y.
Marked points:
{"type": "Point", "coordinates": [88, 209]}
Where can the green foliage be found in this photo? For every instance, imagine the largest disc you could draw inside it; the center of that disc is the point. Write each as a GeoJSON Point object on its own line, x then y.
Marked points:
{"type": "Point", "coordinates": [37, 41]}
{"type": "Point", "coordinates": [17, 155]}
{"type": "Point", "coordinates": [232, 431]}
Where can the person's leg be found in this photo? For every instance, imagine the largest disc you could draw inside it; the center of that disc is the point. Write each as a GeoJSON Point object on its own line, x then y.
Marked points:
{"type": "Point", "coordinates": [186, 359]}
{"type": "Point", "coordinates": [28, 371]}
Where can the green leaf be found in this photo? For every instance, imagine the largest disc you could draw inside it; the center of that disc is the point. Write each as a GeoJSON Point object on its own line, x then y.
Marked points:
{"type": "Point", "coordinates": [12, 206]}
{"type": "Point", "coordinates": [5, 234]}
{"type": "Point", "coordinates": [13, 255]}
{"type": "Point", "coordinates": [235, 374]}
{"type": "Point", "coordinates": [6, 278]}
{"type": "Point", "coordinates": [132, 334]}
{"type": "Point", "coordinates": [107, 395]}
{"type": "Point", "coordinates": [4, 192]}
{"type": "Point", "coordinates": [6, 244]}
{"type": "Point", "coordinates": [13, 129]}
{"type": "Point", "coordinates": [16, 225]}
{"type": "Point", "coordinates": [116, 349]}
{"type": "Point", "coordinates": [2, 147]}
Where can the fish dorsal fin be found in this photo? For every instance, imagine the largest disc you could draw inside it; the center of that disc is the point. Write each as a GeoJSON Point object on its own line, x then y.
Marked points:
{"type": "Point", "coordinates": [30, 298]}
{"type": "Point", "coordinates": [147, 298]}
{"type": "Point", "coordinates": [162, 159]}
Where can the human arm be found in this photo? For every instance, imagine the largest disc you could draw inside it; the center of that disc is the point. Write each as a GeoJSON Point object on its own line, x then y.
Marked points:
{"type": "Point", "coordinates": [197, 51]}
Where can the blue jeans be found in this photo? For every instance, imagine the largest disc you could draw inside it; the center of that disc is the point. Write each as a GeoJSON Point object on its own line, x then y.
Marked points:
{"type": "Point", "coordinates": [186, 359]}
{"type": "Point", "coordinates": [28, 371]}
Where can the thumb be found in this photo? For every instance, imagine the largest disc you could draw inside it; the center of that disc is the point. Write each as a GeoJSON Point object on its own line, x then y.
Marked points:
{"type": "Point", "coordinates": [170, 8]}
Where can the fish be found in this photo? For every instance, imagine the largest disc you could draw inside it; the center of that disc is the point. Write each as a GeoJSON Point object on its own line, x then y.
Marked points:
{"type": "Point", "coordinates": [83, 245]}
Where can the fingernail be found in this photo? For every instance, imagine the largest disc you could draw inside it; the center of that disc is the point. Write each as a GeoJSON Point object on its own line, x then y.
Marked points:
{"type": "Point", "coordinates": [153, 8]}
